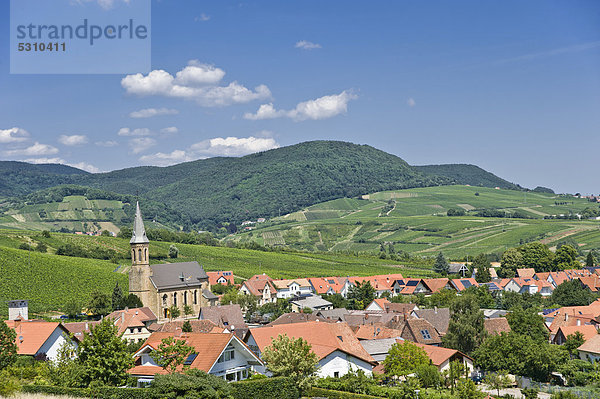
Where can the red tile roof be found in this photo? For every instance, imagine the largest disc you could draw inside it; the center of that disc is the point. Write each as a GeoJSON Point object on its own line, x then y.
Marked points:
{"type": "Point", "coordinates": [496, 325]}
{"type": "Point", "coordinates": [34, 334]}
{"type": "Point", "coordinates": [324, 338]}
{"type": "Point", "coordinates": [214, 276]}
{"type": "Point", "coordinates": [435, 284]}
{"type": "Point", "coordinates": [588, 331]}
{"type": "Point", "coordinates": [136, 317]}
{"type": "Point", "coordinates": [439, 355]}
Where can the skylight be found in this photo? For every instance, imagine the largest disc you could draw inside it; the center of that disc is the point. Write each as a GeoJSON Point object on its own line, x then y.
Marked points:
{"type": "Point", "coordinates": [425, 334]}
{"type": "Point", "coordinates": [190, 359]}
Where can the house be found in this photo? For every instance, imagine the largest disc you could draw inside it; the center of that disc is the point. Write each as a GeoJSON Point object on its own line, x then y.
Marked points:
{"type": "Point", "coordinates": [335, 345]}
{"type": "Point", "coordinates": [289, 318]}
{"type": "Point", "coordinates": [312, 302]}
{"type": "Point", "coordinates": [334, 315]}
{"type": "Point", "coordinates": [220, 277]}
{"type": "Point", "coordinates": [330, 285]}
{"type": "Point", "coordinates": [526, 272]}
{"type": "Point", "coordinates": [588, 331]}
{"type": "Point", "coordinates": [409, 286]}
{"type": "Point", "coordinates": [421, 331]}
{"type": "Point", "coordinates": [434, 285]}
{"type": "Point", "coordinates": [461, 284]}
{"type": "Point", "coordinates": [18, 309]}
{"type": "Point", "coordinates": [134, 323]}
{"type": "Point", "coordinates": [382, 283]}
{"type": "Point", "coordinates": [590, 350]}
{"type": "Point", "coordinates": [496, 326]}
{"type": "Point", "coordinates": [176, 327]}
{"type": "Point", "coordinates": [378, 304]}
{"type": "Point", "coordinates": [160, 287]}
{"type": "Point", "coordinates": [222, 355]}
{"type": "Point", "coordinates": [379, 348]}
{"type": "Point", "coordinates": [529, 286]}
{"type": "Point", "coordinates": [229, 317]}
{"type": "Point", "coordinates": [441, 357]}
{"type": "Point", "coordinates": [592, 283]}
{"type": "Point", "coordinates": [80, 328]}
{"type": "Point", "coordinates": [40, 339]}
{"type": "Point", "coordinates": [261, 286]}
{"type": "Point", "coordinates": [459, 268]}
{"type": "Point", "coordinates": [291, 288]}
{"type": "Point", "coordinates": [438, 317]}
{"type": "Point", "coordinates": [375, 331]}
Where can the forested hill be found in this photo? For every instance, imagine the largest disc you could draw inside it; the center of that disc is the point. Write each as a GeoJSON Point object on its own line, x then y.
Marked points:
{"type": "Point", "coordinates": [468, 174]}
{"type": "Point", "coordinates": [264, 184]}
{"type": "Point", "coordinates": [207, 192]}
{"type": "Point", "coordinates": [19, 178]}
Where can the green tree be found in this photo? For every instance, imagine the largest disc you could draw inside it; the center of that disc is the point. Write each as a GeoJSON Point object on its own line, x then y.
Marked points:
{"type": "Point", "coordinates": [497, 380]}
{"type": "Point", "coordinates": [466, 389]}
{"type": "Point", "coordinates": [174, 312]}
{"type": "Point", "coordinates": [574, 341]}
{"type": "Point", "coordinates": [187, 310]}
{"type": "Point", "coordinates": [566, 258]}
{"type": "Point", "coordinates": [193, 384]}
{"type": "Point", "coordinates": [64, 370]}
{"type": "Point", "coordinates": [572, 293]}
{"type": "Point", "coordinates": [171, 353]}
{"type": "Point", "coordinates": [589, 260]}
{"type": "Point", "coordinates": [173, 251]}
{"type": "Point", "coordinates": [441, 265]}
{"type": "Point", "coordinates": [465, 330]}
{"type": "Point", "coordinates": [117, 298]}
{"type": "Point", "coordinates": [103, 355]}
{"type": "Point", "coordinates": [512, 259]}
{"type": "Point", "coordinates": [100, 304]}
{"type": "Point", "coordinates": [72, 308]}
{"type": "Point", "coordinates": [528, 322]}
{"type": "Point", "coordinates": [291, 358]}
{"type": "Point", "coordinates": [248, 303]}
{"type": "Point", "coordinates": [41, 247]}
{"type": "Point", "coordinates": [537, 256]}
{"type": "Point", "coordinates": [132, 301]}
{"type": "Point", "coordinates": [361, 295]}
{"type": "Point", "coordinates": [8, 346]}
{"type": "Point", "coordinates": [482, 264]}
{"type": "Point", "coordinates": [428, 376]}
{"type": "Point", "coordinates": [187, 327]}
{"type": "Point", "coordinates": [529, 393]}
{"type": "Point", "coordinates": [404, 358]}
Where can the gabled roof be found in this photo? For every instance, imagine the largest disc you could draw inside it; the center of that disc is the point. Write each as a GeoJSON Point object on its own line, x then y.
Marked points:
{"type": "Point", "coordinates": [380, 302]}
{"type": "Point", "coordinates": [421, 331]}
{"type": "Point", "coordinates": [439, 355]}
{"type": "Point", "coordinates": [592, 345]}
{"type": "Point", "coordinates": [324, 338]}
{"type": "Point", "coordinates": [438, 317]}
{"type": "Point", "coordinates": [322, 285]}
{"type": "Point", "coordinates": [283, 284]}
{"type": "Point", "coordinates": [256, 284]}
{"type": "Point", "coordinates": [312, 302]}
{"type": "Point", "coordinates": [526, 272]}
{"type": "Point", "coordinates": [382, 282]}
{"type": "Point", "coordinates": [138, 235]}
{"type": "Point", "coordinates": [376, 331]}
{"type": "Point", "coordinates": [435, 284]}
{"type": "Point", "coordinates": [213, 277]}
{"type": "Point", "coordinates": [289, 318]}
{"type": "Point", "coordinates": [208, 346]}
{"type": "Point", "coordinates": [591, 282]}
{"type": "Point", "coordinates": [134, 317]}
{"type": "Point", "coordinates": [587, 330]}
{"type": "Point", "coordinates": [178, 275]}
{"type": "Point", "coordinates": [496, 325]}
{"type": "Point", "coordinates": [78, 329]}
{"type": "Point", "coordinates": [338, 314]}
{"type": "Point", "coordinates": [407, 286]}
{"type": "Point", "coordinates": [198, 326]}
{"type": "Point", "coordinates": [461, 284]}
{"type": "Point", "coordinates": [228, 316]}
{"type": "Point", "coordinates": [32, 334]}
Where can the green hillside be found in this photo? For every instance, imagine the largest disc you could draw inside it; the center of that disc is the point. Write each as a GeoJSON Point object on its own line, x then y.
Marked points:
{"type": "Point", "coordinates": [49, 281]}
{"type": "Point", "coordinates": [468, 175]}
{"type": "Point", "coordinates": [20, 178]}
{"type": "Point", "coordinates": [415, 221]}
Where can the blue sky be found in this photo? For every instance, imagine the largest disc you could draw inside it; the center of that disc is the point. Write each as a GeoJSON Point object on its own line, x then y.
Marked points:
{"type": "Point", "coordinates": [511, 86]}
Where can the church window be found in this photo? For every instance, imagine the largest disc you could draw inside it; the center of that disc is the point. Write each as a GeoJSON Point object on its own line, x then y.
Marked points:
{"type": "Point", "coordinates": [195, 297]}
{"type": "Point", "coordinates": [174, 299]}
{"type": "Point", "coordinates": [139, 255]}
{"type": "Point", "coordinates": [146, 254]}
{"type": "Point", "coordinates": [185, 298]}
{"type": "Point", "coordinates": [165, 300]}
{"type": "Point", "coordinates": [133, 254]}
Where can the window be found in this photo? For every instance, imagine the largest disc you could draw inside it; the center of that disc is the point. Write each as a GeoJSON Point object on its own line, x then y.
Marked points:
{"type": "Point", "coordinates": [230, 377]}
{"type": "Point", "coordinates": [165, 300]}
{"type": "Point", "coordinates": [146, 254]}
{"type": "Point", "coordinates": [190, 359]}
{"type": "Point", "coordinates": [185, 298]}
{"type": "Point", "coordinates": [425, 334]}
{"type": "Point", "coordinates": [195, 297]}
{"type": "Point", "coordinates": [174, 299]}
{"type": "Point", "coordinates": [139, 329]}
{"type": "Point", "coordinates": [336, 374]}
{"type": "Point", "coordinates": [139, 254]}
{"type": "Point", "coordinates": [228, 355]}
{"type": "Point", "coordinates": [133, 254]}
{"type": "Point", "coordinates": [132, 330]}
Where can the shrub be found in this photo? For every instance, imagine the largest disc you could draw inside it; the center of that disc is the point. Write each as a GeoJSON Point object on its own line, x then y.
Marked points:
{"type": "Point", "coordinates": [331, 394]}
{"type": "Point", "coordinates": [193, 384]}
{"type": "Point", "coordinates": [261, 388]}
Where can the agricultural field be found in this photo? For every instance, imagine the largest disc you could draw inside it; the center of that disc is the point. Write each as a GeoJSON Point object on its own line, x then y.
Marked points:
{"type": "Point", "coordinates": [74, 212]}
{"type": "Point", "coordinates": [415, 221]}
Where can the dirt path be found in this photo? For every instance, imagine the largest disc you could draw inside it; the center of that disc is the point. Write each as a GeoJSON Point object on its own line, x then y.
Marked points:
{"type": "Point", "coordinates": [563, 234]}
{"type": "Point", "coordinates": [437, 247]}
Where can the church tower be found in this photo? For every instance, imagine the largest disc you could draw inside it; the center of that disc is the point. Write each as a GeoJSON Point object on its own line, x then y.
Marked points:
{"type": "Point", "coordinates": [140, 273]}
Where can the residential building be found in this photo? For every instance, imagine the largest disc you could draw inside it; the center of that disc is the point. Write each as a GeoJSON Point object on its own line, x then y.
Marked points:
{"type": "Point", "coordinates": [198, 326]}
{"type": "Point", "coordinates": [461, 284]}
{"type": "Point", "coordinates": [290, 318]}
{"type": "Point", "coordinates": [588, 331]}
{"type": "Point", "coordinates": [590, 350]}
{"type": "Point", "coordinates": [261, 286]}
{"type": "Point", "coordinates": [39, 339]}
{"type": "Point", "coordinates": [222, 355]}
{"type": "Point", "coordinates": [312, 302]}
{"type": "Point", "coordinates": [161, 286]}
{"type": "Point", "coordinates": [292, 288]}
{"type": "Point", "coordinates": [496, 325]}
{"type": "Point", "coordinates": [220, 277]}
{"type": "Point", "coordinates": [134, 323]}
{"type": "Point", "coordinates": [438, 317]}
{"type": "Point", "coordinates": [335, 345]}
{"type": "Point", "coordinates": [330, 285]}
{"type": "Point", "coordinates": [441, 357]}
{"type": "Point", "coordinates": [229, 317]}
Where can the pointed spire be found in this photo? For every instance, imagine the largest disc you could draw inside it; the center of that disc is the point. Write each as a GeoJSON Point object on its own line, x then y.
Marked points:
{"type": "Point", "coordinates": [139, 233]}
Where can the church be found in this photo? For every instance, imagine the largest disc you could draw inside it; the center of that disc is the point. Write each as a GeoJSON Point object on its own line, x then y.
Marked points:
{"type": "Point", "coordinates": [161, 286]}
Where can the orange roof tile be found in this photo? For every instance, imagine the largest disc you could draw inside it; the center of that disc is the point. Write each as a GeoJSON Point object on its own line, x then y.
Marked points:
{"type": "Point", "coordinates": [592, 345]}
{"type": "Point", "coordinates": [435, 284]}
{"type": "Point", "coordinates": [324, 338]}
{"type": "Point", "coordinates": [34, 334]}
{"type": "Point", "coordinates": [135, 317]}
{"type": "Point", "coordinates": [437, 354]}
{"type": "Point", "coordinates": [526, 272]}
{"type": "Point", "coordinates": [588, 331]}
{"type": "Point", "coordinates": [376, 331]}
{"type": "Point", "coordinates": [214, 276]}
{"type": "Point", "coordinates": [496, 325]}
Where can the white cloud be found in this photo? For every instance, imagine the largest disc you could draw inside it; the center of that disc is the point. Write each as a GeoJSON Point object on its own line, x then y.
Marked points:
{"type": "Point", "coordinates": [109, 143]}
{"type": "Point", "coordinates": [218, 146]}
{"type": "Point", "coordinates": [141, 144]}
{"type": "Point", "coordinates": [45, 160]}
{"type": "Point", "coordinates": [150, 112]}
{"type": "Point", "coordinates": [85, 166]}
{"type": "Point", "coordinates": [125, 131]}
{"type": "Point", "coordinates": [197, 81]}
{"type": "Point", "coordinates": [306, 45]}
{"type": "Point", "coordinates": [202, 18]}
{"type": "Point", "coordinates": [37, 149]}
{"type": "Point", "coordinates": [411, 102]}
{"type": "Point", "coordinates": [169, 130]}
{"type": "Point", "coordinates": [13, 135]}
{"type": "Point", "coordinates": [75, 139]}
{"type": "Point", "coordinates": [320, 108]}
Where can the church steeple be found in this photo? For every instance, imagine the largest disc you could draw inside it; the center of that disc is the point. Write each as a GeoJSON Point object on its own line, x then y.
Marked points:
{"type": "Point", "coordinates": [139, 232]}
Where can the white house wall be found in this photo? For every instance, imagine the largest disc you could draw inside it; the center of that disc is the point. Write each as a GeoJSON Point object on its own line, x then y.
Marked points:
{"type": "Point", "coordinates": [342, 363]}
{"type": "Point", "coordinates": [53, 344]}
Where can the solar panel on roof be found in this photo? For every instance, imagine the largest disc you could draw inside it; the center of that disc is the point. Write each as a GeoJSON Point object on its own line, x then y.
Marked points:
{"type": "Point", "coordinates": [412, 283]}
{"type": "Point", "coordinates": [331, 281]}
{"type": "Point", "coordinates": [466, 283]}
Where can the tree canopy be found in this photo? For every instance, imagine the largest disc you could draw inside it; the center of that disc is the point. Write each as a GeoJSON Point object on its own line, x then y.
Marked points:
{"type": "Point", "coordinates": [404, 358]}
{"type": "Point", "coordinates": [291, 358]}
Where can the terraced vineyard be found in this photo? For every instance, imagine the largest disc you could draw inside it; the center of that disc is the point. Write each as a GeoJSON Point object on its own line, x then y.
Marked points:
{"type": "Point", "coordinates": [415, 221]}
